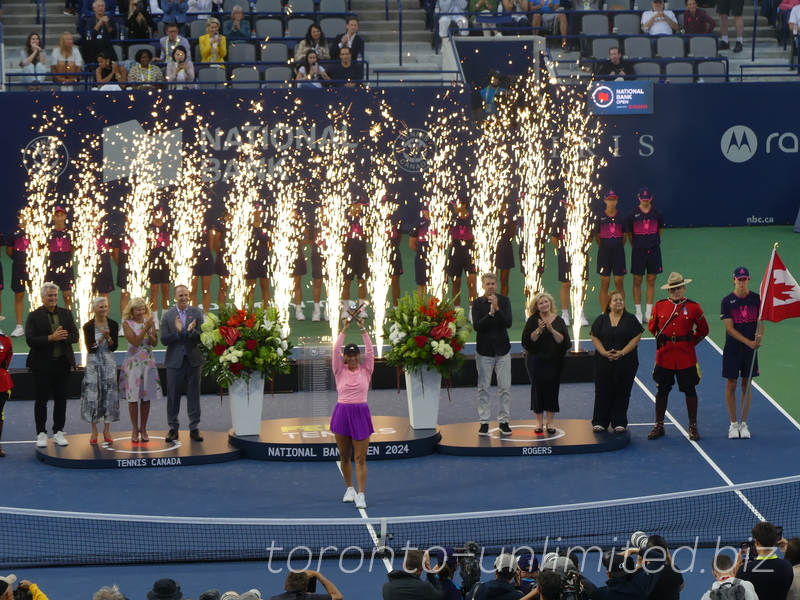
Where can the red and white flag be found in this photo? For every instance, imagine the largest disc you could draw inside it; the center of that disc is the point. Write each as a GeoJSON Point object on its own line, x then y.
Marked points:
{"type": "Point", "coordinates": [780, 293]}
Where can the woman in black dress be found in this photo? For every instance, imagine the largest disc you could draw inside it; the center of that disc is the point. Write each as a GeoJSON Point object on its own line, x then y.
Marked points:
{"type": "Point", "coordinates": [615, 335]}
{"type": "Point", "coordinates": [546, 341]}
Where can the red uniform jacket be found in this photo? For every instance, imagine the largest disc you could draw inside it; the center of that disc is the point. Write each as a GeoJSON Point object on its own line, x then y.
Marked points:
{"type": "Point", "coordinates": [6, 352]}
{"type": "Point", "coordinates": [688, 321]}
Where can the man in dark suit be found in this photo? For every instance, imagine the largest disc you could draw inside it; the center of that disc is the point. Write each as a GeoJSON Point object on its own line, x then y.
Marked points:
{"type": "Point", "coordinates": [50, 332]}
{"type": "Point", "coordinates": [346, 73]}
{"type": "Point", "coordinates": [349, 39]}
{"type": "Point", "coordinates": [180, 333]}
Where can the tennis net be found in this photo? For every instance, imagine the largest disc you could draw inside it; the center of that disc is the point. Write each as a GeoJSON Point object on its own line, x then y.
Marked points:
{"type": "Point", "coordinates": [702, 518]}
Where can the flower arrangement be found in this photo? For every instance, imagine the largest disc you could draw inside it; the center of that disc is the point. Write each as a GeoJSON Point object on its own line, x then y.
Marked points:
{"type": "Point", "coordinates": [240, 342]}
{"type": "Point", "coordinates": [427, 333]}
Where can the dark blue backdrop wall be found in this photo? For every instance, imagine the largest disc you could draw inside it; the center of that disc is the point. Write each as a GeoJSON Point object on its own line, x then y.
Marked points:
{"type": "Point", "coordinates": [713, 154]}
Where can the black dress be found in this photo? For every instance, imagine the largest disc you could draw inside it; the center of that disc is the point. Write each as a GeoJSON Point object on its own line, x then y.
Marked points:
{"type": "Point", "coordinates": [545, 362]}
{"type": "Point", "coordinates": [613, 380]}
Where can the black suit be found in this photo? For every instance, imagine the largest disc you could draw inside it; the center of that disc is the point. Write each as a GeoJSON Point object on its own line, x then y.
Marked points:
{"type": "Point", "coordinates": [356, 46]}
{"type": "Point", "coordinates": [50, 373]}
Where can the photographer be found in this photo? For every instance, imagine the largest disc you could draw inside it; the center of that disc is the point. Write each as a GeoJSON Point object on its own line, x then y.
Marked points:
{"type": "Point", "coordinates": [505, 585]}
{"type": "Point", "coordinates": [625, 580]}
{"type": "Point", "coordinates": [550, 585]}
{"type": "Point", "coordinates": [406, 583]}
{"type": "Point", "coordinates": [297, 583]}
{"type": "Point", "coordinates": [446, 565]}
{"type": "Point", "coordinates": [657, 558]}
{"type": "Point", "coordinates": [573, 585]}
{"type": "Point", "coordinates": [759, 564]}
{"type": "Point", "coordinates": [26, 590]}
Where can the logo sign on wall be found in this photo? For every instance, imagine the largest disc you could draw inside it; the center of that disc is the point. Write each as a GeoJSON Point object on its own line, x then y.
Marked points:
{"type": "Point", "coordinates": [413, 149]}
{"type": "Point", "coordinates": [621, 98]}
{"type": "Point", "coordinates": [739, 144]}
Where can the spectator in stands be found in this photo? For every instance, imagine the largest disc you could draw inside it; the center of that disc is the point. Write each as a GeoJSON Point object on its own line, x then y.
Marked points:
{"type": "Point", "coordinates": [110, 74]}
{"type": "Point", "coordinates": [678, 324]}
{"type": "Point", "coordinates": [237, 26]}
{"type": "Point", "coordinates": [792, 554]}
{"type": "Point", "coordinates": [203, 7]}
{"type": "Point", "coordinates": [180, 70]}
{"type": "Point", "coordinates": [486, 7]}
{"type": "Point", "coordinates": [33, 60]}
{"type": "Point", "coordinates": [659, 21]}
{"type": "Point", "coordinates": [346, 73]}
{"type": "Point", "coordinates": [549, 12]}
{"type": "Point", "coordinates": [144, 75]}
{"type": "Point", "coordinates": [100, 31]}
{"type": "Point", "coordinates": [213, 46]}
{"type": "Point", "coordinates": [171, 41]}
{"type": "Point", "coordinates": [696, 20]}
{"type": "Point", "coordinates": [771, 576]}
{"type": "Point", "coordinates": [139, 22]}
{"type": "Point", "coordinates": [314, 40]}
{"type": "Point", "coordinates": [615, 335]}
{"type": "Point", "coordinates": [518, 10]}
{"type": "Point", "coordinates": [349, 38]}
{"type": "Point", "coordinates": [452, 12]}
{"type": "Point", "coordinates": [175, 11]}
{"type": "Point", "coordinates": [545, 339]}
{"type": "Point", "coordinates": [490, 93]}
{"type": "Point", "coordinates": [616, 68]}
{"type": "Point", "coordinates": [794, 20]}
{"type": "Point", "coordinates": [66, 59]}
{"type": "Point", "coordinates": [87, 8]}
{"type": "Point", "coordinates": [70, 8]}
{"type": "Point", "coordinates": [407, 583]}
{"type": "Point", "coordinates": [296, 586]}
{"type": "Point", "coordinates": [722, 570]}
{"type": "Point", "coordinates": [311, 73]}
{"type": "Point", "coordinates": [735, 8]}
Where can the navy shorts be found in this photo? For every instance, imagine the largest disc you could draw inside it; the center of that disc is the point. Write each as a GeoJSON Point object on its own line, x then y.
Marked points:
{"type": "Point", "coordinates": [461, 258]}
{"type": "Point", "coordinates": [421, 268]}
{"type": "Point", "coordinates": [736, 363]}
{"type": "Point", "coordinates": [734, 8]}
{"type": "Point", "coordinates": [204, 267]}
{"type": "Point", "coordinates": [646, 259]}
{"type": "Point", "coordinates": [396, 259]}
{"type": "Point", "coordinates": [256, 269]}
{"type": "Point", "coordinates": [63, 276]}
{"type": "Point", "coordinates": [687, 379]}
{"type": "Point", "coordinates": [316, 263]}
{"type": "Point", "coordinates": [355, 262]}
{"type": "Point", "coordinates": [159, 271]}
{"type": "Point", "coordinates": [220, 268]}
{"type": "Point", "coordinates": [19, 277]}
{"type": "Point", "coordinates": [611, 260]}
{"type": "Point", "coordinates": [103, 278]}
{"type": "Point", "coordinates": [300, 267]}
{"type": "Point", "coordinates": [505, 255]}
{"type": "Point", "coordinates": [564, 265]}
{"type": "Point", "coordinates": [122, 272]}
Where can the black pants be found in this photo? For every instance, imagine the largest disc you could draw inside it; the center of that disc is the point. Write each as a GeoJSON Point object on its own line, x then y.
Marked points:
{"type": "Point", "coordinates": [53, 379]}
{"type": "Point", "coordinates": [545, 376]}
{"type": "Point", "coordinates": [612, 394]}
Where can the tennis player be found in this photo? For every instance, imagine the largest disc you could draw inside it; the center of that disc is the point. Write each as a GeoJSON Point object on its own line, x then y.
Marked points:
{"type": "Point", "coordinates": [351, 421]}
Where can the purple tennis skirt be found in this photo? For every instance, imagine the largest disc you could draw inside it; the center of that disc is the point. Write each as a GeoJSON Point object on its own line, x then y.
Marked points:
{"type": "Point", "coordinates": [353, 420]}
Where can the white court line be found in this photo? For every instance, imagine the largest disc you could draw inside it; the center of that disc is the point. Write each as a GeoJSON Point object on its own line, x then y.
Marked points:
{"type": "Point", "coordinates": [375, 537]}
{"type": "Point", "coordinates": [705, 456]}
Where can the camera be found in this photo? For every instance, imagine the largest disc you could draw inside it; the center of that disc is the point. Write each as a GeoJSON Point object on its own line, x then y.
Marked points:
{"type": "Point", "coordinates": [571, 587]}
{"type": "Point", "coordinates": [639, 540]}
{"type": "Point", "coordinates": [469, 566]}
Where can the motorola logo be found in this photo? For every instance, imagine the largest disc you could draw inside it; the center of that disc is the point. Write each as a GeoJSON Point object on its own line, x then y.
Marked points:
{"type": "Point", "coordinates": [739, 144]}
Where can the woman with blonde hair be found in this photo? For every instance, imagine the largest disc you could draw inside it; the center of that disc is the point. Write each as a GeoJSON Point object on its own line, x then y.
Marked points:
{"type": "Point", "coordinates": [65, 61]}
{"type": "Point", "coordinates": [138, 379]}
{"type": "Point", "coordinates": [545, 339]}
{"type": "Point", "coordinates": [99, 395]}
{"type": "Point", "coordinates": [213, 46]}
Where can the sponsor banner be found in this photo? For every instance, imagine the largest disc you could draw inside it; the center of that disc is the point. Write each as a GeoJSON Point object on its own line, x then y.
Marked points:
{"type": "Point", "coordinates": [620, 98]}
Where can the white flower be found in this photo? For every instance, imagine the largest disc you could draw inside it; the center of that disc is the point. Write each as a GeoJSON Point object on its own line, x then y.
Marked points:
{"type": "Point", "coordinates": [279, 351]}
{"type": "Point", "coordinates": [284, 345]}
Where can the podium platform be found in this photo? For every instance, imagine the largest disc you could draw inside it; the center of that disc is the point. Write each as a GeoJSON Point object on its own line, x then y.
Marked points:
{"type": "Point", "coordinates": [573, 436]}
{"type": "Point", "coordinates": [124, 454]}
{"type": "Point", "coordinates": [296, 440]}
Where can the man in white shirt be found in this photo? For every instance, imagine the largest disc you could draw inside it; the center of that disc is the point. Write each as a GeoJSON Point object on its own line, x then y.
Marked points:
{"type": "Point", "coordinates": [659, 21]}
{"type": "Point", "coordinates": [722, 569]}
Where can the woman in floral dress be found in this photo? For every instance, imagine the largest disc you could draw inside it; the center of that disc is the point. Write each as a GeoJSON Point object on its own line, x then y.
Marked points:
{"type": "Point", "coordinates": [138, 379]}
{"type": "Point", "coordinates": [99, 398]}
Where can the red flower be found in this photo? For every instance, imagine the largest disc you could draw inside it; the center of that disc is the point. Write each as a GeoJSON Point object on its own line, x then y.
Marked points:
{"type": "Point", "coordinates": [438, 359]}
{"type": "Point", "coordinates": [251, 320]}
{"type": "Point", "coordinates": [236, 368]}
{"type": "Point", "coordinates": [421, 340]}
{"type": "Point", "coordinates": [251, 344]}
{"type": "Point", "coordinates": [441, 330]}
{"type": "Point", "coordinates": [456, 346]}
{"type": "Point", "coordinates": [230, 334]}
{"type": "Point", "coordinates": [234, 321]}
{"type": "Point", "coordinates": [219, 349]}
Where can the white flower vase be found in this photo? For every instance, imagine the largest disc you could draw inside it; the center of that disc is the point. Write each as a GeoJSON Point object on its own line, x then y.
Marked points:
{"type": "Point", "coordinates": [247, 400]}
{"type": "Point", "coordinates": [423, 389]}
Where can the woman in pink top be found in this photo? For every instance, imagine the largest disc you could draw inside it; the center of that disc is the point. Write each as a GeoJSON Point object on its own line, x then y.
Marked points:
{"type": "Point", "coordinates": [351, 421]}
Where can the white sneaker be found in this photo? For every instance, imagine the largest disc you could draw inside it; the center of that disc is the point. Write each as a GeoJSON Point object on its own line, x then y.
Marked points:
{"type": "Point", "coordinates": [41, 440]}
{"type": "Point", "coordinates": [639, 314]}
{"type": "Point", "coordinates": [584, 320]}
{"type": "Point", "coordinates": [744, 431]}
{"type": "Point", "coordinates": [326, 313]}
{"type": "Point", "coordinates": [647, 314]}
{"type": "Point", "coordinates": [733, 431]}
{"type": "Point", "coordinates": [316, 314]}
{"type": "Point", "coordinates": [361, 502]}
{"type": "Point", "coordinates": [298, 314]}
{"type": "Point", "coordinates": [469, 316]}
{"type": "Point", "coordinates": [349, 495]}
{"type": "Point", "coordinates": [565, 317]}
{"type": "Point", "coordinates": [18, 331]}
{"type": "Point", "coordinates": [59, 439]}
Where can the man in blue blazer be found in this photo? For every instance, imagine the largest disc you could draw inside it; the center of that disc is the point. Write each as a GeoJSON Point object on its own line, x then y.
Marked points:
{"type": "Point", "coordinates": [180, 333]}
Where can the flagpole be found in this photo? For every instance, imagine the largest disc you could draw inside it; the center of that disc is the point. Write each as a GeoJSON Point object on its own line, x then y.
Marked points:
{"type": "Point", "coordinates": [759, 327]}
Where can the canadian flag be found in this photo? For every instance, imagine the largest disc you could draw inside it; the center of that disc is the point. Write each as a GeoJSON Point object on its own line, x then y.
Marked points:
{"type": "Point", "coordinates": [780, 293]}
